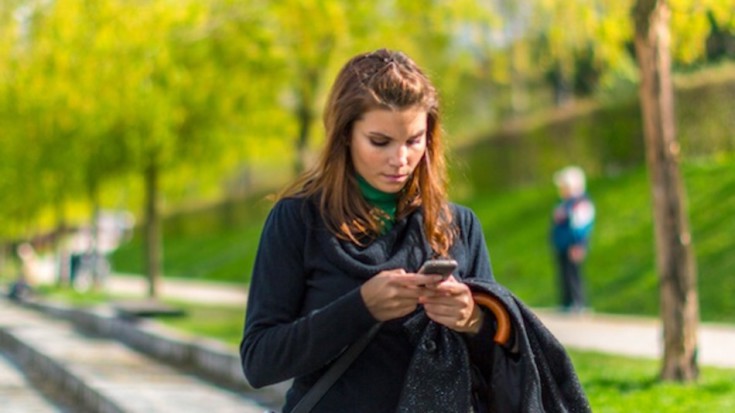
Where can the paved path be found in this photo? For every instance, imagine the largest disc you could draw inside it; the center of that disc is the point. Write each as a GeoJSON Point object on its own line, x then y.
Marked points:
{"type": "Point", "coordinates": [636, 336]}
{"type": "Point", "coordinates": [18, 394]}
{"type": "Point", "coordinates": [625, 335]}
{"type": "Point", "coordinates": [180, 289]}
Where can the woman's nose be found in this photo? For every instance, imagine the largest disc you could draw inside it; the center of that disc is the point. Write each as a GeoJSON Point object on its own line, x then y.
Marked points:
{"type": "Point", "coordinates": [400, 156]}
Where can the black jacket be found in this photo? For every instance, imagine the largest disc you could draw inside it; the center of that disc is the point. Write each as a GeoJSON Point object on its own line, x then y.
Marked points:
{"type": "Point", "coordinates": [304, 309]}
{"type": "Point", "coordinates": [536, 375]}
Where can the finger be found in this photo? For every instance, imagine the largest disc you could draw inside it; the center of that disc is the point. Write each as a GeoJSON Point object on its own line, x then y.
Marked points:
{"type": "Point", "coordinates": [436, 295]}
{"type": "Point", "coordinates": [453, 287]}
{"type": "Point", "coordinates": [409, 293]}
{"type": "Point", "coordinates": [397, 272]}
{"type": "Point", "coordinates": [443, 290]}
{"type": "Point", "coordinates": [421, 280]}
{"type": "Point", "coordinates": [444, 316]}
{"type": "Point", "coordinates": [439, 303]}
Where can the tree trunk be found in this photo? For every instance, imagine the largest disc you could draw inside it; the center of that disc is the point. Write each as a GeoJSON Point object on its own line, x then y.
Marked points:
{"type": "Point", "coordinates": [305, 117]}
{"type": "Point", "coordinates": [674, 254]}
{"type": "Point", "coordinates": [62, 247]}
{"type": "Point", "coordinates": [94, 199]}
{"type": "Point", "coordinates": [153, 250]}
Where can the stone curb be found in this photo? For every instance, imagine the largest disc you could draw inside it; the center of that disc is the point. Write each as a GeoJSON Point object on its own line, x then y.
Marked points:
{"type": "Point", "coordinates": [209, 359]}
{"type": "Point", "coordinates": [42, 367]}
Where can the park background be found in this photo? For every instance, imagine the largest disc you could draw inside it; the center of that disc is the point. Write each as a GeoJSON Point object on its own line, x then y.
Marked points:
{"type": "Point", "coordinates": [189, 114]}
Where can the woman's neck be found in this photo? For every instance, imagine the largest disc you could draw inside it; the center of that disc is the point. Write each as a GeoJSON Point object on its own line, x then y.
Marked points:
{"type": "Point", "coordinates": [384, 201]}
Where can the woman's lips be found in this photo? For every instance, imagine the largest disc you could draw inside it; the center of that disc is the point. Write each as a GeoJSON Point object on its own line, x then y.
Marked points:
{"type": "Point", "coordinates": [396, 178]}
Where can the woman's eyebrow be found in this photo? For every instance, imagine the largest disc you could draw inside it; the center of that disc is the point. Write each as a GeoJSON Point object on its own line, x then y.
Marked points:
{"type": "Point", "coordinates": [418, 134]}
{"type": "Point", "coordinates": [383, 135]}
{"type": "Point", "coordinates": [378, 134]}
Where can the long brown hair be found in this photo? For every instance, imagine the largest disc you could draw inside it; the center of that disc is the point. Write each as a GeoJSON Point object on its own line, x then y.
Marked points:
{"type": "Point", "coordinates": [382, 79]}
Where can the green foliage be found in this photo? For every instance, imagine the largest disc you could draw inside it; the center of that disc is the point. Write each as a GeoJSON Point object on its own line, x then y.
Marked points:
{"type": "Point", "coordinates": [137, 84]}
{"type": "Point", "coordinates": [604, 139]}
{"type": "Point", "coordinates": [706, 118]}
{"type": "Point", "coordinates": [101, 89]}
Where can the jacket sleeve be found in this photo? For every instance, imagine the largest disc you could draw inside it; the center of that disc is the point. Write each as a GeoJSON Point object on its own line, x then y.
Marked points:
{"type": "Point", "coordinates": [280, 341]}
{"type": "Point", "coordinates": [473, 247]}
{"type": "Point", "coordinates": [478, 269]}
{"type": "Point", "coordinates": [581, 220]}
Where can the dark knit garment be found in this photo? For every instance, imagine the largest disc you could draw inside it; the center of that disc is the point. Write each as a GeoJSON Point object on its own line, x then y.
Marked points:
{"type": "Point", "coordinates": [305, 308]}
{"type": "Point", "coordinates": [537, 376]}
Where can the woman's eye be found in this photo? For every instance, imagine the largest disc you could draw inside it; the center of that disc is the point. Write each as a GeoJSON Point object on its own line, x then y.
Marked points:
{"type": "Point", "coordinates": [378, 142]}
{"type": "Point", "coordinates": [415, 141]}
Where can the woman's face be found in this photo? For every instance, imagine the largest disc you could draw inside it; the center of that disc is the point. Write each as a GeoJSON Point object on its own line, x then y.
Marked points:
{"type": "Point", "coordinates": [387, 145]}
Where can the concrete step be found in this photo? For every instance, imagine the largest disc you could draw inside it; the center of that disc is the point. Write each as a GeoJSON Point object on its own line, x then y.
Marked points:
{"type": "Point", "coordinates": [21, 394]}
{"type": "Point", "coordinates": [104, 375]}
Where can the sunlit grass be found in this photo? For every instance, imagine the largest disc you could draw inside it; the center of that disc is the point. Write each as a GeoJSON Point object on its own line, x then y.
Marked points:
{"type": "Point", "coordinates": [223, 323]}
{"type": "Point", "coordinates": [617, 384]}
{"type": "Point", "coordinates": [73, 297]}
{"type": "Point", "coordinates": [620, 272]}
{"type": "Point", "coordinates": [219, 322]}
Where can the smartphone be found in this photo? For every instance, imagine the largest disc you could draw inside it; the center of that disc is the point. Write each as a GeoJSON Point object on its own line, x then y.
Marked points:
{"type": "Point", "coordinates": [438, 267]}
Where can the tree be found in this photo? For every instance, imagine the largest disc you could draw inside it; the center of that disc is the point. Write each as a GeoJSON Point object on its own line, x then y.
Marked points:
{"type": "Point", "coordinates": [150, 89]}
{"type": "Point", "coordinates": [177, 101]}
{"type": "Point", "coordinates": [309, 34]}
{"type": "Point", "coordinates": [46, 109]}
{"type": "Point", "coordinates": [313, 39]}
{"type": "Point", "coordinates": [674, 254]}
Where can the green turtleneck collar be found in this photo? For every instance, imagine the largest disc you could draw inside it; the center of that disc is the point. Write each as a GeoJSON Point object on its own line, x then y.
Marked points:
{"type": "Point", "coordinates": [385, 201]}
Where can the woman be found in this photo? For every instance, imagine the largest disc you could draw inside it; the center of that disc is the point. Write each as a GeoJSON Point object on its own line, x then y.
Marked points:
{"type": "Point", "coordinates": [341, 248]}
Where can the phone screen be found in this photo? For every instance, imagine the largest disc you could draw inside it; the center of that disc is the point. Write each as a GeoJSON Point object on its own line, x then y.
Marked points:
{"type": "Point", "coordinates": [438, 267]}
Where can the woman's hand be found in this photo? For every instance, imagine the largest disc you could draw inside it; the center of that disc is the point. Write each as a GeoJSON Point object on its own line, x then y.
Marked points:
{"type": "Point", "coordinates": [450, 303]}
{"type": "Point", "coordinates": [394, 293]}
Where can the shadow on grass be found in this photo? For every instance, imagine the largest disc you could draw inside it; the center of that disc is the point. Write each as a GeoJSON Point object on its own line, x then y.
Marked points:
{"type": "Point", "coordinates": [621, 385]}
{"type": "Point", "coordinates": [718, 388]}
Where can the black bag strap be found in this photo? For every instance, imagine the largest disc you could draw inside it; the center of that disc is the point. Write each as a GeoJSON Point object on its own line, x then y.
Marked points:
{"type": "Point", "coordinates": [312, 397]}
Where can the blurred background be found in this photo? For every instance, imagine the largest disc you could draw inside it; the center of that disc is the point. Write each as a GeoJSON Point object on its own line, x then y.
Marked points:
{"type": "Point", "coordinates": [145, 136]}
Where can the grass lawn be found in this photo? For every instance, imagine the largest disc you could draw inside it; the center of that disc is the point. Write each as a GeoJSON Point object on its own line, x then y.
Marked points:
{"type": "Point", "coordinates": [617, 384]}
{"type": "Point", "coordinates": [220, 322]}
{"type": "Point", "coordinates": [620, 272]}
